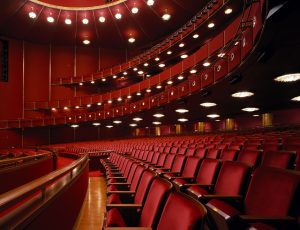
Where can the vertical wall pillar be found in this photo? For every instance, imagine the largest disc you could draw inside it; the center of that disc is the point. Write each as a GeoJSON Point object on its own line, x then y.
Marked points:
{"type": "Point", "coordinates": [267, 119]}
{"type": "Point", "coordinates": [137, 132]}
{"type": "Point", "coordinates": [200, 127]}
{"type": "Point", "coordinates": [157, 131]}
{"type": "Point", "coordinates": [229, 124]}
{"type": "Point", "coordinates": [178, 129]}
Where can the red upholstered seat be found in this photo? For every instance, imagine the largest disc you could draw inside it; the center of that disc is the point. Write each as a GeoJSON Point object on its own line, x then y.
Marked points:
{"type": "Point", "coordinates": [200, 152]}
{"type": "Point", "coordinates": [229, 154]}
{"type": "Point", "coordinates": [213, 153]}
{"type": "Point", "coordinates": [190, 151]}
{"type": "Point", "coordinates": [272, 193]}
{"type": "Point", "coordinates": [278, 159]}
{"type": "Point", "coordinates": [250, 157]}
{"type": "Point", "coordinates": [181, 213]}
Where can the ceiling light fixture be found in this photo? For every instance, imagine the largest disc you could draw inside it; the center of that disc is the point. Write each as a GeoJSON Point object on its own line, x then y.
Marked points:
{"type": "Point", "coordinates": [92, 82]}
{"type": "Point", "coordinates": [50, 19]}
{"type": "Point", "coordinates": [129, 96]}
{"type": "Point", "coordinates": [211, 25]}
{"type": "Point", "coordinates": [166, 17]}
{"type": "Point", "coordinates": [169, 52]}
{"type": "Point", "coordinates": [255, 115]}
{"type": "Point", "coordinates": [131, 40]}
{"type": "Point", "coordinates": [221, 55]}
{"type": "Point", "coordinates": [102, 19]}
{"type": "Point", "coordinates": [158, 87]}
{"type": "Point", "coordinates": [115, 76]}
{"type": "Point", "coordinates": [140, 72]}
{"type": "Point", "coordinates": [135, 69]}
{"type": "Point", "coordinates": [125, 73]}
{"type": "Point", "coordinates": [169, 82]}
{"type": "Point", "coordinates": [161, 65]}
{"type": "Point", "coordinates": [117, 122]}
{"type": "Point", "coordinates": [196, 36]}
{"type": "Point", "coordinates": [157, 59]}
{"type": "Point", "coordinates": [288, 77]}
{"type": "Point", "coordinates": [250, 109]}
{"type": "Point", "coordinates": [138, 94]}
{"type": "Point", "coordinates": [68, 21]}
{"type": "Point", "coordinates": [137, 119]}
{"type": "Point", "coordinates": [65, 108]}
{"type": "Point", "coordinates": [146, 64]}
{"type": "Point", "coordinates": [86, 42]}
{"type": "Point", "coordinates": [181, 45]}
{"type": "Point", "coordinates": [89, 105]}
{"type": "Point", "coordinates": [109, 101]}
{"type": "Point", "coordinates": [118, 16]}
{"type": "Point", "coordinates": [228, 11]}
{"type": "Point", "coordinates": [96, 124]}
{"type": "Point", "coordinates": [32, 14]}
{"type": "Point", "coordinates": [182, 119]}
{"type": "Point", "coordinates": [296, 98]}
{"type": "Point", "coordinates": [242, 94]}
{"type": "Point", "coordinates": [85, 21]}
{"type": "Point", "coordinates": [103, 79]}
{"type": "Point", "coordinates": [158, 115]}
{"type": "Point", "coordinates": [180, 77]}
{"type": "Point", "coordinates": [99, 103]}
{"type": "Point", "coordinates": [213, 115]}
{"type": "Point", "coordinates": [109, 126]}
{"type": "Point", "coordinates": [182, 110]}
{"type": "Point", "coordinates": [150, 2]}
{"type": "Point", "coordinates": [206, 64]}
{"type": "Point", "coordinates": [74, 126]}
{"type": "Point", "coordinates": [156, 123]}
{"type": "Point", "coordinates": [120, 99]}
{"type": "Point", "coordinates": [148, 90]}
{"type": "Point", "coordinates": [135, 10]}
{"type": "Point", "coordinates": [208, 104]}
{"type": "Point", "coordinates": [192, 71]}
{"type": "Point", "coordinates": [133, 125]}
{"type": "Point", "coordinates": [183, 56]}
{"type": "Point", "coordinates": [77, 107]}
{"type": "Point", "coordinates": [80, 83]}
{"type": "Point", "coordinates": [53, 109]}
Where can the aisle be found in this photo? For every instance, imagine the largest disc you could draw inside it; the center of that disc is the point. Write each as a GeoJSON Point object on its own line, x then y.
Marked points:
{"type": "Point", "coordinates": [92, 211]}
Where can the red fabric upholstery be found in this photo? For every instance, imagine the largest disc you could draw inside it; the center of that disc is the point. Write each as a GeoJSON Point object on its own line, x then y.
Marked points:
{"type": "Point", "coordinates": [278, 159]}
{"type": "Point", "coordinates": [228, 154]}
{"type": "Point", "coordinates": [213, 153]}
{"type": "Point", "coordinates": [181, 213]}
{"type": "Point", "coordinates": [190, 152]}
{"type": "Point", "coordinates": [201, 152]}
{"type": "Point", "coordinates": [271, 192]}
{"type": "Point", "coordinates": [181, 151]}
{"type": "Point", "coordinates": [207, 171]}
{"type": "Point", "coordinates": [143, 186]}
{"type": "Point", "coordinates": [223, 208]}
{"type": "Point", "coordinates": [191, 166]}
{"type": "Point", "coordinates": [197, 191]}
{"type": "Point", "coordinates": [250, 157]}
{"type": "Point", "coordinates": [262, 226]}
{"type": "Point", "coordinates": [114, 218]}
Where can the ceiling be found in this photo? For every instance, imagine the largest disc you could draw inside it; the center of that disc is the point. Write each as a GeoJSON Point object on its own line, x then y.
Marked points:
{"type": "Point", "coordinates": [146, 26]}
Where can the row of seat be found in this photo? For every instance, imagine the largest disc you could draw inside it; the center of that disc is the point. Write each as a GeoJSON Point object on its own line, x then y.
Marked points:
{"type": "Point", "coordinates": [216, 181]}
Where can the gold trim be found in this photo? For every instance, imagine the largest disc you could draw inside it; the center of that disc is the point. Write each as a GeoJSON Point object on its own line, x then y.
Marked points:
{"type": "Point", "coordinates": [79, 8]}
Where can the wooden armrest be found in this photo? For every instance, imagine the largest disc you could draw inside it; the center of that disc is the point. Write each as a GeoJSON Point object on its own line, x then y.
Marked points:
{"type": "Point", "coordinates": [127, 228]}
{"type": "Point", "coordinates": [120, 192]}
{"type": "Point", "coordinates": [222, 197]}
{"type": "Point", "coordinates": [123, 206]}
{"type": "Point", "coordinates": [117, 177]}
{"type": "Point", "coordinates": [250, 219]}
{"type": "Point", "coordinates": [118, 183]}
{"type": "Point", "coordinates": [116, 174]}
{"type": "Point", "coordinates": [201, 185]}
{"type": "Point", "coordinates": [182, 177]}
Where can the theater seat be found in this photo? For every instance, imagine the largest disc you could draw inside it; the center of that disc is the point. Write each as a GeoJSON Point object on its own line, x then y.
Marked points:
{"type": "Point", "coordinates": [272, 200]}
{"type": "Point", "coordinates": [250, 157]}
{"type": "Point", "coordinates": [278, 159]}
{"type": "Point", "coordinates": [229, 154]}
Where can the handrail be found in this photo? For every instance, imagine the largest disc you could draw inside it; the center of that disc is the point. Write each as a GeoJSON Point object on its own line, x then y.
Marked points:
{"type": "Point", "coordinates": [19, 160]}
{"type": "Point", "coordinates": [12, 197]}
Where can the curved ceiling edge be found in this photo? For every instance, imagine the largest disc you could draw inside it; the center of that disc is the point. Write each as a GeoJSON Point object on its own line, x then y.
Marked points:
{"type": "Point", "coordinates": [78, 8]}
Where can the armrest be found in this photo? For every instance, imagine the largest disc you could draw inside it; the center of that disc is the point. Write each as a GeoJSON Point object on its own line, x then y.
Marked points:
{"type": "Point", "coordinates": [250, 219]}
{"type": "Point", "coordinates": [201, 185]}
{"type": "Point", "coordinates": [120, 192]}
{"type": "Point", "coordinates": [123, 206]}
{"type": "Point", "coordinates": [117, 177]}
{"type": "Point", "coordinates": [222, 197]}
{"type": "Point", "coordinates": [116, 173]}
{"type": "Point", "coordinates": [182, 177]}
{"type": "Point", "coordinates": [127, 228]}
{"type": "Point", "coordinates": [118, 183]}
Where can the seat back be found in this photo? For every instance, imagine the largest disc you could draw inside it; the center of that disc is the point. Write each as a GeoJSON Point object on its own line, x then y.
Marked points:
{"type": "Point", "coordinates": [173, 150]}
{"type": "Point", "coordinates": [200, 152]}
{"type": "Point", "coordinates": [213, 153]}
{"type": "Point", "coordinates": [136, 178]}
{"type": "Point", "coordinates": [182, 212]}
{"type": "Point", "coordinates": [278, 159]}
{"type": "Point", "coordinates": [178, 163]}
{"type": "Point", "coordinates": [143, 186]}
{"type": "Point", "coordinates": [155, 158]}
{"type": "Point", "coordinates": [158, 192]}
{"type": "Point", "coordinates": [150, 156]}
{"type": "Point", "coordinates": [250, 157]}
{"type": "Point", "coordinates": [228, 154]}
{"type": "Point", "coordinates": [232, 178]}
{"type": "Point", "coordinates": [132, 172]}
{"type": "Point", "coordinates": [161, 159]}
{"type": "Point", "coordinates": [207, 171]}
{"type": "Point", "coordinates": [191, 166]}
{"type": "Point", "coordinates": [272, 192]}
{"type": "Point", "coordinates": [169, 161]}
{"type": "Point", "coordinates": [181, 151]}
{"type": "Point", "coordinates": [190, 151]}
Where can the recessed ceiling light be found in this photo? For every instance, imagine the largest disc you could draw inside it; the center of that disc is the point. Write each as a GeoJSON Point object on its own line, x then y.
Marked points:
{"type": "Point", "coordinates": [109, 126]}
{"type": "Point", "coordinates": [77, 107]}
{"type": "Point", "coordinates": [32, 14]}
{"type": "Point", "coordinates": [255, 115]}
{"type": "Point", "coordinates": [228, 11]}
{"type": "Point", "coordinates": [146, 64]}
{"type": "Point", "coordinates": [242, 94]}
{"type": "Point", "coordinates": [117, 122]}
{"type": "Point", "coordinates": [169, 52]}
{"type": "Point", "coordinates": [169, 82]}
{"type": "Point", "coordinates": [86, 42]}
{"type": "Point", "coordinates": [65, 108]}
{"type": "Point", "coordinates": [125, 73]}
{"type": "Point", "coordinates": [89, 105]}
{"type": "Point", "coordinates": [109, 101]}
{"type": "Point", "coordinates": [213, 115]}
{"type": "Point", "coordinates": [236, 43]}
{"type": "Point", "coordinates": [158, 115]}
{"type": "Point", "coordinates": [53, 109]}
{"type": "Point", "coordinates": [148, 90]}
{"type": "Point", "coordinates": [166, 17]}
{"type": "Point", "coordinates": [96, 124]}
{"type": "Point", "coordinates": [182, 110]}
{"type": "Point", "coordinates": [74, 126]}
{"type": "Point", "coordinates": [150, 2]}
{"type": "Point", "coordinates": [196, 36]}
{"type": "Point", "coordinates": [101, 19]}
{"type": "Point", "coordinates": [180, 77]}
{"type": "Point", "coordinates": [119, 99]}
{"type": "Point", "coordinates": [156, 123]}
{"type": "Point", "coordinates": [192, 71]}
{"type": "Point", "coordinates": [217, 120]}
{"type": "Point", "coordinates": [296, 98]}
{"type": "Point", "coordinates": [50, 19]}
{"type": "Point", "coordinates": [135, 69]}
{"type": "Point", "coordinates": [85, 21]}
{"type": "Point", "coordinates": [157, 59]}
{"type": "Point", "coordinates": [68, 21]}
{"type": "Point", "coordinates": [103, 79]}
{"type": "Point", "coordinates": [135, 10]}
{"type": "Point", "coordinates": [140, 72]}
{"type": "Point", "coordinates": [118, 16]}
{"type": "Point", "coordinates": [208, 104]}
{"type": "Point", "coordinates": [206, 64]}
{"type": "Point", "coordinates": [99, 103]}
{"type": "Point", "coordinates": [133, 125]}
{"type": "Point", "coordinates": [80, 83]}
{"type": "Point", "coordinates": [137, 119]}
{"type": "Point", "coordinates": [115, 76]}
{"type": "Point", "coordinates": [70, 118]}
{"type": "Point", "coordinates": [158, 86]}
{"type": "Point", "coordinates": [182, 119]}
{"type": "Point", "coordinates": [221, 55]}
{"type": "Point", "coordinates": [211, 25]}
{"type": "Point", "coordinates": [250, 109]}
{"type": "Point", "coordinates": [138, 94]}
{"type": "Point", "coordinates": [131, 40]}
{"type": "Point", "coordinates": [181, 45]}
{"type": "Point", "coordinates": [129, 96]}
{"type": "Point", "coordinates": [148, 75]}
{"type": "Point", "coordinates": [161, 65]}
{"type": "Point", "coordinates": [183, 56]}
{"type": "Point", "coordinates": [288, 77]}
{"type": "Point", "coordinates": [92, 82]}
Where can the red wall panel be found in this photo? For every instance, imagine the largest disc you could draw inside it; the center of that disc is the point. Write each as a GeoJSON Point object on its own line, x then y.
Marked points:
{"type": "Point", "coordinates": [86, 60]}
{"type": "Point", "coordinates": [36, 72]}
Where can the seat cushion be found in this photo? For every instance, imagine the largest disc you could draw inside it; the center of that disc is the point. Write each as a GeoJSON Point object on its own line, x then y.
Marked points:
{"type": "Point", "coordinates": [114, 218]}
{"type": "Point", "coordinates": [114, 199]}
